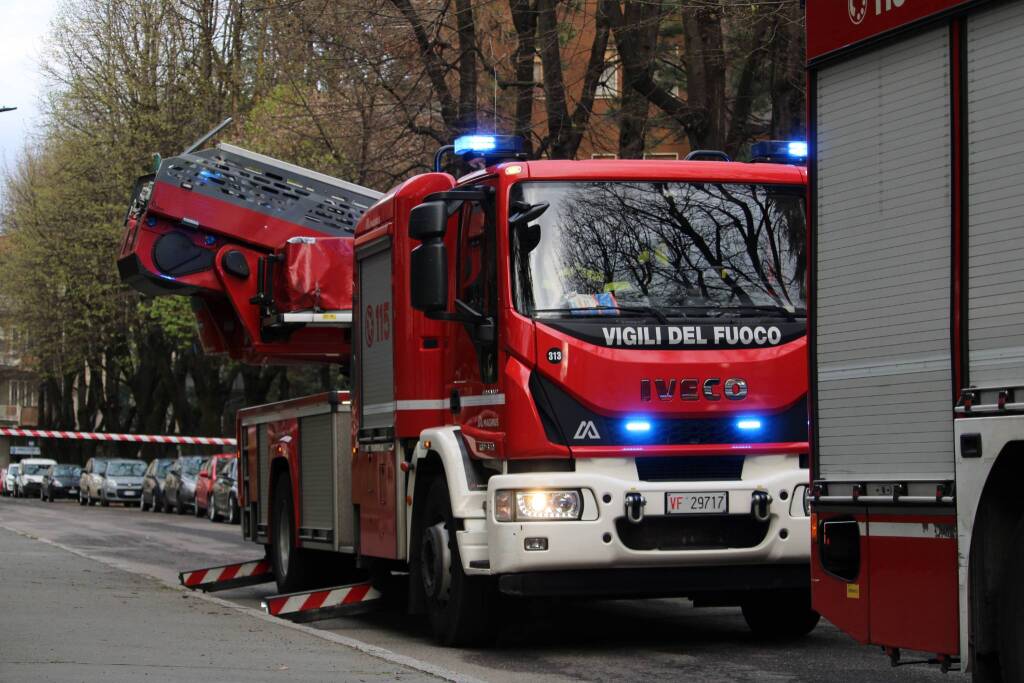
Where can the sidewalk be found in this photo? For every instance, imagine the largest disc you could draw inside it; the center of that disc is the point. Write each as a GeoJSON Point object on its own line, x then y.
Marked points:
{"type": "Point", "coordinates": [68, 618]}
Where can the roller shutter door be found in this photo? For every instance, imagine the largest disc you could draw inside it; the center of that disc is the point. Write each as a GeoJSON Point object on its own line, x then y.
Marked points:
{"type": "Point", "coordinates": [882, 231]}
{"type": "Point", "coordinates": [995, 204]}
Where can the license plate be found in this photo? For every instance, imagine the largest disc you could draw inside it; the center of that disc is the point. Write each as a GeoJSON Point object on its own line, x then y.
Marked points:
{"type": "Point", "coordinates": [697, 503]}
{"type": "Point", "coordinates": [130, 493]}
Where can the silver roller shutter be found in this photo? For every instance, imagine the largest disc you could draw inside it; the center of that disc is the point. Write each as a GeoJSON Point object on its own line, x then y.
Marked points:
{"type": "Point", "coordinates": [376, 336]}
{"type": "Point", "coordinates": [316, 437]}
{"type": "Point", "coordinates": [882, 239]}
{"type": "Point", "coordinates": [995, 204]}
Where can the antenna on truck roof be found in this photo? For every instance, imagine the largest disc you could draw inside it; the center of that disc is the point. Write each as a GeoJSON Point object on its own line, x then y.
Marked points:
{"type": "Point", "coordinates": [206, 138]}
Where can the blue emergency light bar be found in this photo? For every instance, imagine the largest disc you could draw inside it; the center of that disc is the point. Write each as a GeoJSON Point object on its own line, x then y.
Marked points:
{"type": "Point", "coordinates": [779, 151]}
{"type": "Point", "coordinates": [489, 145]}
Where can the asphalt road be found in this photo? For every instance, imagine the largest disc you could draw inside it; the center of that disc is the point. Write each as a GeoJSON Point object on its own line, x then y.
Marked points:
{"type": "Point", "coordinates": [640, 640]}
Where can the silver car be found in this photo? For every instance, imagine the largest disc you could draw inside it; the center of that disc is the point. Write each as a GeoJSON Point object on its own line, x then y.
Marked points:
{"type": "Point", "coordinates": [122, 482]}
{"type": "Point", "coordinates": [11, 478]}
{"type": "Point", "coordinates": [90, 484]}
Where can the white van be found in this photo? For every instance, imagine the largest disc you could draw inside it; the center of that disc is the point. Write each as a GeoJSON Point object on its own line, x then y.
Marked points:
{"type": "Point", "coordinates": [30, 479]}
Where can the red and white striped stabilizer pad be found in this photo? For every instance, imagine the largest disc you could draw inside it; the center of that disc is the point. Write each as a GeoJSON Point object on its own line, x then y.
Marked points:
{"type": "Point", "coordinates": [103, 436]}
{"type": "Point", "coordinates": [319, 604]}
{"type": "Point", "coordinates": [228, 576]}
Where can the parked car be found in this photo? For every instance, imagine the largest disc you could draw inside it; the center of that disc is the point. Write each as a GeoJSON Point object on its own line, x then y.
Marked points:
{"type": "Point", "coordinates": [30, 479]}
{"type": "Point", "coordinates": [60, 481]}
{"type": "Point", "coordinates": [153, 484]}
{"type": "Point", "coordinates": [224, 495]}
{"type": "Point", "coordinates": [180, 483]}
{"type": "Point", "coordinates": [90, 484]}
{"type": "Point", "coordinates": [122, 482]}
{"type": "Point", "coordinates": [10, 476]}
{"type": "Point", "coordinates": [208, 474]}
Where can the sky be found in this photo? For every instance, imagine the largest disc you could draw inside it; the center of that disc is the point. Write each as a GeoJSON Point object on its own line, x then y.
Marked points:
{"type": "Point", "coordinates": [23, 28]}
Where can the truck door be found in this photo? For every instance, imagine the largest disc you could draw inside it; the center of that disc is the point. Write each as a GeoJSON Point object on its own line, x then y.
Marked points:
{"type": "Point", "coordinates": [473, 386]}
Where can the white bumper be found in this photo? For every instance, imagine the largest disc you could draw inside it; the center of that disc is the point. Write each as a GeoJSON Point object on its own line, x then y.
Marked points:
{"type": "Point", "coordinates": [594, 542]}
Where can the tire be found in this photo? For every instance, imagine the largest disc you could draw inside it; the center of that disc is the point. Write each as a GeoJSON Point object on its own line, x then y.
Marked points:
{"type": "Point", "coordinates": [196, 509]}
{"type": "Point", "coordinates": [104, 502]}
{"type": "Point", "coordinates": [233, 516]}
{"type": "Point", "coordinates": [1011, 601]}
{"type": "Point", "coordinates": [293, 568]}
{"type": "Point", "coordinates": [211, 509]}
{"type": "Point", "coordinates": [460, 607]}
{"type": "Point", "coordinates": [780, 615]}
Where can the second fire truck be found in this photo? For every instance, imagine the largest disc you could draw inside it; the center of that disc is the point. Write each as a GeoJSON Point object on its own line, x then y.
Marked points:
{"type": "Point", "coordinates": [569, 378]}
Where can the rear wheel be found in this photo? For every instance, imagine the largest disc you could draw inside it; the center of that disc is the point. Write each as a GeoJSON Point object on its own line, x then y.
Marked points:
{"type": "Point", "coordinates": [460, 607]}
{"type": "Point", "coordinates": [780, 615]}
{"type": "Point", "coordinates": [211, 509]}
{"type": "Point", "coordinates": [1011, 614]}
{"type": "Point", "coordinates": [292, 566]}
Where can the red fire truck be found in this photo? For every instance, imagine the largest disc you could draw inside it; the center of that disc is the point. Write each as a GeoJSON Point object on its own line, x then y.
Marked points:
{"type": "Point", "coordinates": [916, 322]}
{"type": "Point", "coordinates": [569, 378]}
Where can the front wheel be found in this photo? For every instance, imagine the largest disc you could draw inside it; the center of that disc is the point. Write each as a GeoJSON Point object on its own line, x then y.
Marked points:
{"type": "Point", "coordinates": [211, 510]}
{"type": "Point", "coordinates": [780, 615]}
{"type": "Point", "coordinates": [233, 511]}
{"type": "Point", "coordinates": [460, 607]}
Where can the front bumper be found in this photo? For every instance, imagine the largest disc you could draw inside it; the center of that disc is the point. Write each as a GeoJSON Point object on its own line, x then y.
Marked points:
{"type": "Point", "coordinates": [603, 539]}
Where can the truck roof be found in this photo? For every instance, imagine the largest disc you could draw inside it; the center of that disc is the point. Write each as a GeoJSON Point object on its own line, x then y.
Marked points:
{"type": "Point", "coordinates": [649, 169]}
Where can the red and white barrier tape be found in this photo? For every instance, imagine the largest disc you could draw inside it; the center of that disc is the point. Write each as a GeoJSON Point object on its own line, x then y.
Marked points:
{"type": "Point", "coordinates": [204, 578]}
{"type": "Point", "coordinates": [295, 603]}
{"type": "Point", "coordinates": [103, 436]}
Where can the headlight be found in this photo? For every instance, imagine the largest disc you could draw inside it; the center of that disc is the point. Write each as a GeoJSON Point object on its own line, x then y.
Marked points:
{"type": "Point", "coordinates": [512, 505]}
{"type": "Point", "coordinates": [57, 483]}
{"type": "Point", "coordinates": [111, 483]}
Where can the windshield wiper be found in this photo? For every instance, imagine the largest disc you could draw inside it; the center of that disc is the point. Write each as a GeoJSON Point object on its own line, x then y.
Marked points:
{"type": "Point", "coordinates": [790, 313]}
{"type": "Point", "coordinates": [636, 310]}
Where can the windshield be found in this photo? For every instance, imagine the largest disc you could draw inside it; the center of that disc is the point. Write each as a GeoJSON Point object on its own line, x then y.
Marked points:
{"type": "Point", "coordinates": [163, 466]}
{"type": "Point", "coordinates": [14, 469]}
{"type": "Point", "coordinates": [191, 465]}
{"type": "Point", "coordinates": [35, 469]}
{"type": "Point", "coordinates": [660, 248]}
{"type": "Point", "coordinates": [126, 469]}
{"type": "Point", "coordinates": [66, 471]}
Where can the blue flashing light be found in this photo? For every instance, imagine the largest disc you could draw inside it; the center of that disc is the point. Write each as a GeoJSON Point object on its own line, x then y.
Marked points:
{"type": "Point", "coordinates": [779, 151]}
{"type": "Point", "coordinates": [748, 424]}
{"type": "Point", "coordinates": [488, 145]}
{"type": "Point", "coordinates": [638, 426]}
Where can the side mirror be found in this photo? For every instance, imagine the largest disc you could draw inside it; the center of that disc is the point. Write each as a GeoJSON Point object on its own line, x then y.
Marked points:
{"type": "Point", "coordinates": [428, 276]}
{"type": "Point", "coordinates": [428, 221]}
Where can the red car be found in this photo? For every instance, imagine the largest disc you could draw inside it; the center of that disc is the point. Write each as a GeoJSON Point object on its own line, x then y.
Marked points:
{"type": "Point", "coordinates": [207, 475]}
